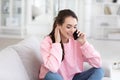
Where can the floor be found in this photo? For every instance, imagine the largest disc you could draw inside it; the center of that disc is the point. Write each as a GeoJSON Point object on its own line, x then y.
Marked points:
{"type": "Point", "coordinates": [4, 42]}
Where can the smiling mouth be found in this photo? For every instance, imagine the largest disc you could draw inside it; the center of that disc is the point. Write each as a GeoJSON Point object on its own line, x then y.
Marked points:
{"type": "Point", "coordinates": [71, 35]}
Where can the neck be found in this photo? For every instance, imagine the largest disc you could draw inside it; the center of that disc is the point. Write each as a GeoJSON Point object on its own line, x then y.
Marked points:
{"type": "Point", "coordinates": [65, 40]}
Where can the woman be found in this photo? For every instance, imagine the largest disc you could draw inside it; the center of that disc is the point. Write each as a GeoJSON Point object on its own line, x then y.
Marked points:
{"type": "Point", "coordinates": [63, 56]}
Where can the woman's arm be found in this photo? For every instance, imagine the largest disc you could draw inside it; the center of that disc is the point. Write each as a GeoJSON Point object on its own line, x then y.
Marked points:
{"type": "Point", "coordinates": [91, 55]}
{"type": "Point", "coordinates": [88, 51]}
{"type": "Point", "coordinates": [52, 54]}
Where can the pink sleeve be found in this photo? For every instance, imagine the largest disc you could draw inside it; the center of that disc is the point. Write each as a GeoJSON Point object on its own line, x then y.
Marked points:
{"type": "Point", "coordinates": [91, 55]}
{"type": "Point", "coordinates": [52, 54]}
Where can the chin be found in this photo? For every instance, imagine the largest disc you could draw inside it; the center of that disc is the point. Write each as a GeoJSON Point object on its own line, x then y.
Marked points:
{"type": "Point", "coordinates": [69, 37]}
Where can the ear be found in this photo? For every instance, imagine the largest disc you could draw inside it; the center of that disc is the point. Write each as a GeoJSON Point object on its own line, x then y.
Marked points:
{"type": "Point", "coordinates": [58, 26]}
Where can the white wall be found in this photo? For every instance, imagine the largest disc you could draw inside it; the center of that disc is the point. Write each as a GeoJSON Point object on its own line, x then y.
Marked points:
{"type": "Point", "coordinates": [109, 49]}
{"type": "Point", "coordinates": [43, 24]}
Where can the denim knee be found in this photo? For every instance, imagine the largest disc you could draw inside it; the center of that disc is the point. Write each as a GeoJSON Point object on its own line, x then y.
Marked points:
{"type": "Point", "coordinates": [53, 76]}
{"type": "Point", "coordinates": [100, 72]}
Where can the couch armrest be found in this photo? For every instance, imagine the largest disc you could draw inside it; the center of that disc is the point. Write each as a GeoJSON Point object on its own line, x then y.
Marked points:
{"type": "Point", "coordinates": [107, 68]}
{"type": "Point", "coordinates": [105, 65]}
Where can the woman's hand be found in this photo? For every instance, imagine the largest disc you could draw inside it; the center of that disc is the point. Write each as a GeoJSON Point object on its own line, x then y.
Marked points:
{"type": "Point", "coordinates": [57, 35]}
{"type": "Point", "coordinates": [81, 37]}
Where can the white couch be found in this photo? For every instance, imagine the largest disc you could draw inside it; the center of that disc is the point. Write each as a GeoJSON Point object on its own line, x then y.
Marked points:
{"type": "Point", "coordinates": [22, 61]}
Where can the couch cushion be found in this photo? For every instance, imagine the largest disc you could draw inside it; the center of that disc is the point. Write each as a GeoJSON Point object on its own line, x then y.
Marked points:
{"type": "Point", "coordinates": [29, 52]}
{"type": "Point", "coordinates": [11, 67]}
{"type": "Point", "coordinates": [107, 68]}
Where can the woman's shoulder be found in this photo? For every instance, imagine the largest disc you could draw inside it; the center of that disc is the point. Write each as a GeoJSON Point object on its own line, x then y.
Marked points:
{"type": "Point", "coordinates": [47, 39]}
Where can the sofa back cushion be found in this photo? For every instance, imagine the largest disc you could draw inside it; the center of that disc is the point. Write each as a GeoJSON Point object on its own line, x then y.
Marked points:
{"type": "Point", "coordinates": [11, 67]}
{"type": "Point", "coordinates": [29, 52]}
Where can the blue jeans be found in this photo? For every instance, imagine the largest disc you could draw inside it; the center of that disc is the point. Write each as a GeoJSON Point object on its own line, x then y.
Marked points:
{"type": "Point", "coordinates": [53, 76]}
{"type": "Point", "coordinates": [91, 74]}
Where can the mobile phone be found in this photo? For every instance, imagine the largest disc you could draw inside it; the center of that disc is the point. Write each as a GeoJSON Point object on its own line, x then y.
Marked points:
{"type": "Point", "coordinates": [75, 35]}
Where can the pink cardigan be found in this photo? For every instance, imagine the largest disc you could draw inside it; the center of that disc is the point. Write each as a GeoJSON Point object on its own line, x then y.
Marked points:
{"type": "Point", "coordinates": [75, 56]}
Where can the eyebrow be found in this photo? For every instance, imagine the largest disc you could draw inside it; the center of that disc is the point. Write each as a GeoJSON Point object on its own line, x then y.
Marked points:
{"type": "Point", "coordinates": [71, 25]}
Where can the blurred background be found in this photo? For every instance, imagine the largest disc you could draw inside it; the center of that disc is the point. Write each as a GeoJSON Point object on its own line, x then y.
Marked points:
{"type": "Point", "coordinates": [99, 19]}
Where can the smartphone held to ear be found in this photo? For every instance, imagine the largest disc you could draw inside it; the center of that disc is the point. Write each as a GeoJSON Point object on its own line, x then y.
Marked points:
{"type": "Point", "coordinates": [75, 35]}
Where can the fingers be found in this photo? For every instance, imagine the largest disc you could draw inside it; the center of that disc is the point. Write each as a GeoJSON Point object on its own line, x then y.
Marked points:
{"type": "Point", "coordinates": [57, 34]}
{"type": "Point", "coordinates": [80, 34]}
{"type": "Point", "coordinates": [81, 37]}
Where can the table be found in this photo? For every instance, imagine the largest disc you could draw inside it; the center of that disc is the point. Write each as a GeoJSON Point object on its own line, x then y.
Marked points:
{"type": "Point", "coordinates": [115, 75]}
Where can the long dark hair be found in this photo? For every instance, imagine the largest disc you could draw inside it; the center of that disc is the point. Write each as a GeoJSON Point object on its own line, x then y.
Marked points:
{"type": "Point", "coordinates": [60, 20]}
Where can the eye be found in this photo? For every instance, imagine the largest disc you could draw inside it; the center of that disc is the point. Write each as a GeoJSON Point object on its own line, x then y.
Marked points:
{"type": "Point", "coordinates": [75, 27]}
{"type": "Point", "coordinates": [68, 27]}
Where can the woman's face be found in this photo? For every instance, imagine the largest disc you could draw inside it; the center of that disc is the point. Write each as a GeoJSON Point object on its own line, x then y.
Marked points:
{"type": "Point", "coordinates": [68, 27]}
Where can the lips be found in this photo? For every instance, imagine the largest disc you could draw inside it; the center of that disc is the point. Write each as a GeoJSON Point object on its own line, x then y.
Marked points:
{"type": "Point", "coordinates": [71, 35]}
